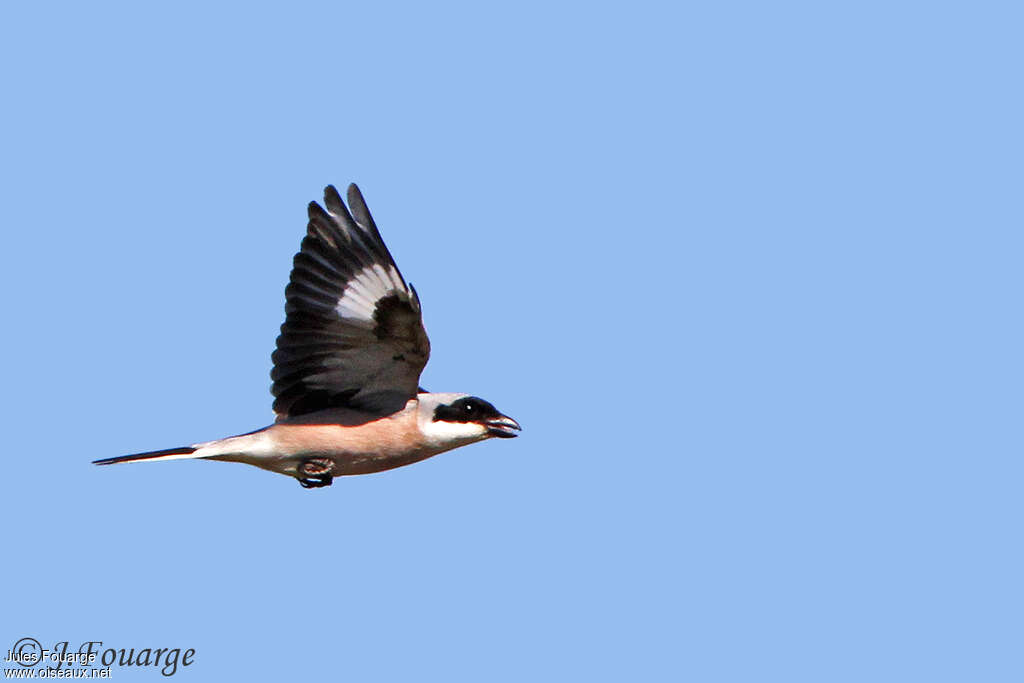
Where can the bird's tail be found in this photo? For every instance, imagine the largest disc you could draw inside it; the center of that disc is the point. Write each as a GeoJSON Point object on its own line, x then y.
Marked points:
{"type": "Point", "coordinates": [167, 454]}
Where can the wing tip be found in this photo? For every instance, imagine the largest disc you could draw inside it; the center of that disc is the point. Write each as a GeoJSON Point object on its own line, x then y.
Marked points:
{"type": "Point", "coordinates": [314, 210]}
{"type": "Point", "coordinates": [333, 200]}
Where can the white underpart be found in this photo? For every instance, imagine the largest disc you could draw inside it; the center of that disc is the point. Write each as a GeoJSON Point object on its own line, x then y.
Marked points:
{"type": "Point", "coordinates": [257, 444]}
{"type": "Point", "coordinates": [452, 434]}
{"type": "Point", "coordinates": [365, 289]}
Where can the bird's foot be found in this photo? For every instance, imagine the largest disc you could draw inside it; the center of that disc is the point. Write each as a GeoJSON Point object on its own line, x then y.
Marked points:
{"type": "Point", "coordinates": [316, 482]}
{"type": "Point", "coordinates": [315, 473]}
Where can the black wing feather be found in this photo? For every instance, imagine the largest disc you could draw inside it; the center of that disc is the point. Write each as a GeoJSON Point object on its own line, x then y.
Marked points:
{"type": "Point", "coordinates": [353, 335]}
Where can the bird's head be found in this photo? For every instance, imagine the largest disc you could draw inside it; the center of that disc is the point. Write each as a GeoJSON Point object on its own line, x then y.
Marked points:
{"type": "Point", "coordinates": [458, 419]}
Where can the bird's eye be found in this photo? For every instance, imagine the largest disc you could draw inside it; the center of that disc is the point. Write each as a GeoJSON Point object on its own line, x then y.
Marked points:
{"type": "Point", "coordinates": [470, 407]}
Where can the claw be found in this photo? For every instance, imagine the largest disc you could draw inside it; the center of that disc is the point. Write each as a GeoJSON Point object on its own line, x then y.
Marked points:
{"type": "Point", "coordinates": [316, 482]}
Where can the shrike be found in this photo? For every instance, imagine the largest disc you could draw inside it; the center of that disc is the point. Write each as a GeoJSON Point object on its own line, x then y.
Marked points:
{"type": "Point", "coordinates": [347, 367]}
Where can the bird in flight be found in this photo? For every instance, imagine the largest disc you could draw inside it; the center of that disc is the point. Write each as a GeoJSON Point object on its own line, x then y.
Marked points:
{"type": "Point", "coordinates": [347, 366]}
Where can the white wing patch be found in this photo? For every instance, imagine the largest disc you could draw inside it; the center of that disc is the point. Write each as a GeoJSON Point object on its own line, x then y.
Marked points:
{"type": "Point", "coordinates": [365, 289]}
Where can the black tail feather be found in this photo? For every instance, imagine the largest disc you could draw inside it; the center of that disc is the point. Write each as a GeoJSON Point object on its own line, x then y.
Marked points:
{"type": "Point", "coordinates": [183, 450]}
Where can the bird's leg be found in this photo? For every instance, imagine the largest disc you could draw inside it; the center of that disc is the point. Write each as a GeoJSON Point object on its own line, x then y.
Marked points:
{"type": "Point", "coordinates": [315, 473]}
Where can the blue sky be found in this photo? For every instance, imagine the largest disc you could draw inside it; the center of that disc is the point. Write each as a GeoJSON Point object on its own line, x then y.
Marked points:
{"type": "Point", "coordinates": [748, 275]}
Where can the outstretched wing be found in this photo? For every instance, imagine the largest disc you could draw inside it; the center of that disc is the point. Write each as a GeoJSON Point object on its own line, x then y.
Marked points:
{"type": "Point", "coordinates": [353, 335]}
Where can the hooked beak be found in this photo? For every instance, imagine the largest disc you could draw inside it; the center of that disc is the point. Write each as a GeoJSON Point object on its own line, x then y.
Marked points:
{"type": "Point", "coordinates": [504, 427]}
